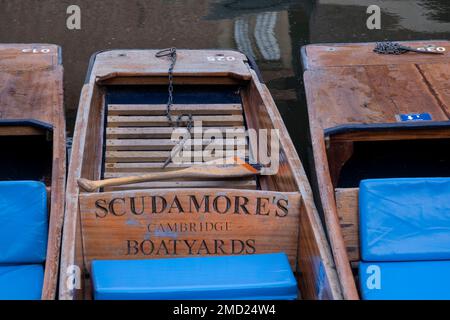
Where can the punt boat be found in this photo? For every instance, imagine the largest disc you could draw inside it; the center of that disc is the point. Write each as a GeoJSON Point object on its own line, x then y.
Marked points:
{"type": "Point", "coordinates": [146, 219]}
{"type": "Point", "coordinates": [379, 123]}
{"type": "Point", "coordinates": [32, 170]}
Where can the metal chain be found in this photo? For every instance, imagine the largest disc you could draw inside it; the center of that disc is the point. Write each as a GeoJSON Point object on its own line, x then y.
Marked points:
{"type": "Point", "coordinates": [172, 53]}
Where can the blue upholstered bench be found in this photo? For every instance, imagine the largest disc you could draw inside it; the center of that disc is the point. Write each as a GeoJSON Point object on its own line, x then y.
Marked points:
{"type": "Point", "coordinates": [405, 238]}
{"type": "Point", "coordinates": [251, 277]}
{"type": "Point", "coordinates": [23, 239]}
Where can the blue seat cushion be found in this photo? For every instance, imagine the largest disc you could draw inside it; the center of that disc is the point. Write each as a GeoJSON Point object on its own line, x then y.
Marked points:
{"type": "Point", "coordinates": [263, 276]}
{"type": "Point", "coordinates": [22, 282]}
{"type": "Point", "coordinates": [23, 222]}
{"type": "Point", "coordinates": [418, 280]}
{"type": "Point", "coordinates": [405, 219]}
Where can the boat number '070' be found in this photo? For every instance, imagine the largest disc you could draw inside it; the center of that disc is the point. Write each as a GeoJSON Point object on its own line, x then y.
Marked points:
{"type": "Point", "coordinates": [33, 50]}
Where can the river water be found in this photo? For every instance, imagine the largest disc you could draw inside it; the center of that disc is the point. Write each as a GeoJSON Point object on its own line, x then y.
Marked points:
{"type": "Point", "coordinates": [272, 31]}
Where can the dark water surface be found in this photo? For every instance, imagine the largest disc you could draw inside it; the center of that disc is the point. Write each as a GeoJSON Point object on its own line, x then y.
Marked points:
{"type": "Point", "coordinates": [270, 30]}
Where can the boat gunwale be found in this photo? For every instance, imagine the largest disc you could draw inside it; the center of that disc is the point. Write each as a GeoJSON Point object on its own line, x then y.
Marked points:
{"type": "Point", "coordinates": [57, 132]}
{"type": "Point", "coordinates": [377, 127]}
{"type": "Point", "coordinates": [304, 58]}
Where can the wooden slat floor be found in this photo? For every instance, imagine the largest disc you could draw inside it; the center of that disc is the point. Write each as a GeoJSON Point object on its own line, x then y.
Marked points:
{"type": "Point", "coordinates": [139, 140]}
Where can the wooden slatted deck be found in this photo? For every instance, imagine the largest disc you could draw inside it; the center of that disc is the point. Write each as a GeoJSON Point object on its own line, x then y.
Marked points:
{"type": "Point", "coordinates": [139, 140]}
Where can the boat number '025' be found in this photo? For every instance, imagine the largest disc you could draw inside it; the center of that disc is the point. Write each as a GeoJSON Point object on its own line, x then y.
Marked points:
{"type": "Point", "coordinates": [34, 50]}
{"type": "Point", "coordinates": [220, 58]}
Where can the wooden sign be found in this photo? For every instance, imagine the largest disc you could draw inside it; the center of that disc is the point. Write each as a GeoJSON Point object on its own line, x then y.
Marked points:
{"type": "Point", "coordinates": [187, 222]}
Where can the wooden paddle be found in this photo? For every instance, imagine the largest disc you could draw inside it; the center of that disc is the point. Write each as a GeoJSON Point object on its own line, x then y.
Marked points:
{"type": "Point", "coordinates": [231, 168]}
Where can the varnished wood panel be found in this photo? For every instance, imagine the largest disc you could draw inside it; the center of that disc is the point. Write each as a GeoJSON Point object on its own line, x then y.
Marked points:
{"type": "Point", "coordinates": [437, 78]}
{"type": "Point", "coordinates": [166, 132]}
{"type": "Point", "coordinates": [31, 88]}
{"type": "Point", "coordinates": [140, 63]}
{"type": "Point", "coordinates": [347, 207]}
{"type": "Point", "coordinates": [349, 84]}
{"type": "Point", "coordinates": [176, 109]}
{"type": "Point", "coordinates": [323, 56]}
{"type": "Point", "coordinates": [162, 121]}
{"type": "Point", "coordinates": [369, 95]}
{"type": "Point", "coordinates": [168, 144]}
{"type": "Point", "coordinates": [228, 184]}
{"type": "Point", "coordinates": [139, 225]}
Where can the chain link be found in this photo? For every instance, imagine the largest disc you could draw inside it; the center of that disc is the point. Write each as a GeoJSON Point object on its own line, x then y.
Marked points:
{"type": "Point", "coordinates": [172, 53]}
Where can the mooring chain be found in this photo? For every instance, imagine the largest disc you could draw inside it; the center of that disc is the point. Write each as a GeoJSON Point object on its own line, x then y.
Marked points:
{"type": "Point", "coordinates": [395, 48]}
{"type": "Point", "coordinates": [172, 53]}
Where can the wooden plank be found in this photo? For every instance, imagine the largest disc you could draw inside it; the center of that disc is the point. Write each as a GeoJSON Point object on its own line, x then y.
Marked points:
{"type": "Point", "coordinates": [142, 167]}
{"type": "Point", "coordinates": [437, 76]}
{"type": "Point", "coordinates": [158, 156]}
{"type": "Point", "coordinates": [190, 63]}
{"type": "Point", "coordinates": [320, 56]}
{"type": "Point", "coordinates": [227, 184]}
{"type": "Point", "coordinates": [20, 131]}
{"type": "Point", "coordinates": [207, 220]}
{"type": "Point", "coordinates": [30, 57]}
{"type": "Point", "coordinates": [369, 95]}
{"type": "Point", "coordinates": [108, 175]}
{"type": "Point", "coordinates": [325, 189]}
{"type": "Point", "coordinates": [162, 121]}
{"type": "Point", "coordinates": [164, 132]}
{"type": "Point", "coordinates": [28, 81]}
{"type": "Point", "coordinates": [347, 207]}
{"type": "Point", "coordinates": [176, 109]}
{"type": "Point", "coordinates": [166, 144]}
{"type": "Point", "coordinates": [392, 134]}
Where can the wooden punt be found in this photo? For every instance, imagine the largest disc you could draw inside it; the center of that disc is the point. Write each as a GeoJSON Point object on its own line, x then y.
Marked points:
{"type": "Point", "coordinates": [33, 133]}
{"type": "Point", "coordinates": [372, 116]}
{"type": "Point", "coordinates": [121, 130]}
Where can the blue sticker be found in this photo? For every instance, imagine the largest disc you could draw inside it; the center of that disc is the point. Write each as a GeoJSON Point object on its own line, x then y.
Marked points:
{"type": "Point", "coordinates": [415, 117]}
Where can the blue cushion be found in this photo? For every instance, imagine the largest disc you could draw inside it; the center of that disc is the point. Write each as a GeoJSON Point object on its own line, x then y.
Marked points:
{"type": "Point", "coordinates": [263, 276]}
{"type": "Point", "coordinates": [21, 282]}
{"type": "Point", "coordinates": [23, 222]}
{"type": "Point", "coordinates": [419, 280]}
{"type": "Point", "coordinates": [405, 219]}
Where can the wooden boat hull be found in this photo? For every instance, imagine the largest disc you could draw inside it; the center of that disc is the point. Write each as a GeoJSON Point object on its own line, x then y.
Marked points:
{"type": "Point", "coordinates": [187, 217]}
{"type": "Point", "coordinates": [362, 109]}
{"type": "Point", "coordinates": [32, 126]}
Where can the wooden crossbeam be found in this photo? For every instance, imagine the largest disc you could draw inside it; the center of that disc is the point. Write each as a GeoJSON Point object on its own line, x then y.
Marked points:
{"type": "Point", "coordinates": [232, 184]}
{"type": "Point", "coordinates": [162, 121]}
{"type": "Point", "coordinates": [142, 167]}
{"type": "Point", "coordinates": [167, 144]}
{"type": "Point", "coordinates": [150, 156]}
{"type": "Point", "coordinates": [176, 109]}
{"type": "Point", "coordinates": [163, 132]}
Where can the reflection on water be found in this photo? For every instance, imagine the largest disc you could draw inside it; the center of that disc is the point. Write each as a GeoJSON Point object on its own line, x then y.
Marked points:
{"type": "Point", "coordinates": [271, 31]}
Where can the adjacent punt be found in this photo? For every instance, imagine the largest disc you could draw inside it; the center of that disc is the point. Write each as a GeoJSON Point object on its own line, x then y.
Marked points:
{"type": "Point", "coordinates": [381, 133]}
{"type": "Point", "coordinates": [32, 169]}
{"type": "Point", "coordinates": [201, 233]}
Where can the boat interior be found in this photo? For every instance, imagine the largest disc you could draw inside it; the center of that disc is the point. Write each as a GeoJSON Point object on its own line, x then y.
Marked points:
{"type": "Point", "coordinates": [21, 142]}
{"type": "Point", "coordinates": [32, 170]}
{"type": "Point", "coordinates": [379, 124]}
{"type": "Point", "coordinates": [122, 129]}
